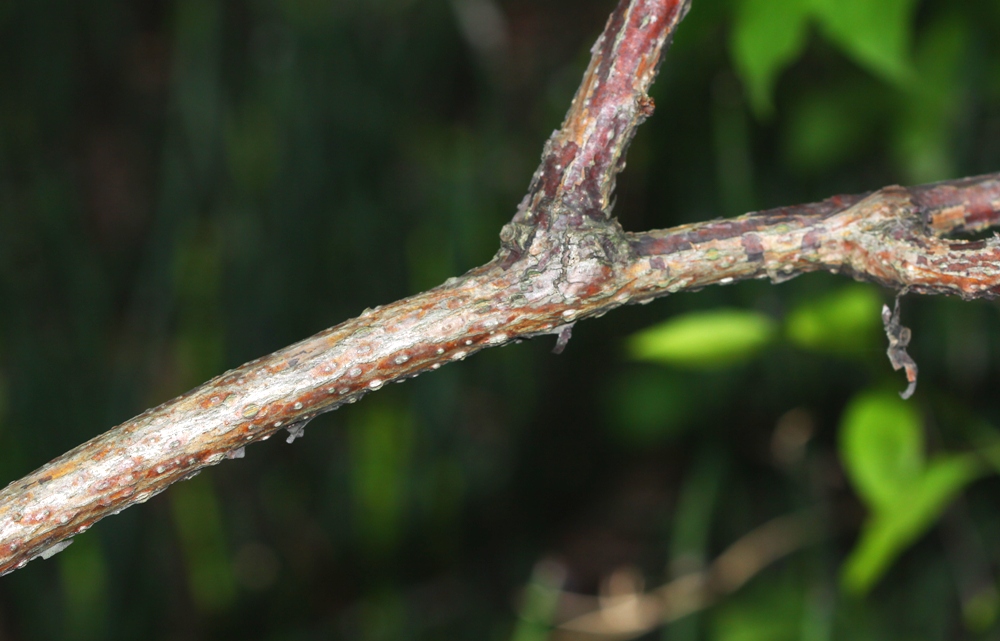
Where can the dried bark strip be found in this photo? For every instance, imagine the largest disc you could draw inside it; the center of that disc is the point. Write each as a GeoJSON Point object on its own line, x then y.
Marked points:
{"type": "Point", "coordinates": [562, 259]}
{"type": "Point", "coordinates": [899, 337]}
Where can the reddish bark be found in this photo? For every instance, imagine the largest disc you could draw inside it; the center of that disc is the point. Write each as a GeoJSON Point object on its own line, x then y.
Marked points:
{"type": "Point", "coordinates": [562, 258]}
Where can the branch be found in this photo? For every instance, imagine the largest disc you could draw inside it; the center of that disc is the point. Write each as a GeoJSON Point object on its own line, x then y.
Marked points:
{"type": "Point", "coordinates": [892, 237]}
{"type": "Point", "coordinates": [563, 258]}
{"type": "Point", "coordinates": [631, 612]}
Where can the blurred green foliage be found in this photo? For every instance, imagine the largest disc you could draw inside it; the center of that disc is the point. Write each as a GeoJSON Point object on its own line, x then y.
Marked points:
{"type": "Point", "coordinates": [186, 185]}
{"type": "Point", "coordinates": [704, 339]}
{"type": "Point", "coordinates": [538, 603]}
{"type": "Point", "coordinates": [769, 35]}
{"type": "Point", "coordinates": [198, 521]}
{"type": "Point", "coordinates": [85, 586]}
{"type": "Point", "coordinates": [882, 448]}
{"type": "Point", "coordinates": [881, 439]}
{"type": "Point", "coordinates": [846, 321]}
{"type": "Point", "coordinates": [381, 443]}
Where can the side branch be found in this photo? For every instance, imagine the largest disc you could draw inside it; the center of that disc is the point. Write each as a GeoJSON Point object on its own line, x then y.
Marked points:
{"type": "Point", "coordinates": [572, 186]}
{"type": "Point", "coordinates": [630, 612]}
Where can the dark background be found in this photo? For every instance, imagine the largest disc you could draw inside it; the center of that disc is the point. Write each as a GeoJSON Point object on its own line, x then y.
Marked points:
{"type": "Point", "coordinates": [187, 185]}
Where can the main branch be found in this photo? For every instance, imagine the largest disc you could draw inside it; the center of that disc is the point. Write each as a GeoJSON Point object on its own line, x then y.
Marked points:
{"type": "Point", "coordinates": [562, 258]}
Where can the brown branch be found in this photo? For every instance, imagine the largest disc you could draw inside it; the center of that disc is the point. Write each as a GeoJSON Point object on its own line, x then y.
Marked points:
{"type": "Point", "coordinates": [562, 259]}
{"type": "Point", "coordinates": [632, 612]}
{"type": "Point", "coordinates": [891, 237]}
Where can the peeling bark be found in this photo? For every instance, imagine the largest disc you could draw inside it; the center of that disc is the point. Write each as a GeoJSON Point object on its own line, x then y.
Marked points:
{"type": "Point", "coordinates": [563, 258]}
{"type": "Point", "coordinates": [899, 338]}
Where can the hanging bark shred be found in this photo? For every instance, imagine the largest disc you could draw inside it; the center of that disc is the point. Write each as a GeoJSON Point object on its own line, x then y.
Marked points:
{"type": "Point", "coordinates": [562, 258]}
{"type": "Point", "coordinates": [899, 338]}
{"type": "Point", "coordinates": [565, 333]}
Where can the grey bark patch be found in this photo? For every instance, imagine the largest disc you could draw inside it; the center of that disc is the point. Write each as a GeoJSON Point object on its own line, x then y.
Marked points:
{"type": "Point", "coordinates": [565, 333]}
{"type": "Point", "coordinates": [53, 550]}
{"type": "Point", "coordinates": [753, 246]}
{"type": "Point", "coordinates": [297, 430]}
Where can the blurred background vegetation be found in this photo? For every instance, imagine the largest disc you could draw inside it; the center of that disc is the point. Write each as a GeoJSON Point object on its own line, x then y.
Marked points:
{"type": "Point", "coordinates": [186, 185]}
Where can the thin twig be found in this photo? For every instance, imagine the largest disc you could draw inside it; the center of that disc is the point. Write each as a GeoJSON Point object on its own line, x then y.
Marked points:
{"type": "Point", "coordinates": [634, 613]}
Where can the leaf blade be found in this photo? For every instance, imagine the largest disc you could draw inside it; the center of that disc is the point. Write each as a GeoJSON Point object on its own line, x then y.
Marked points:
{"type": "Point", "coordinates": [881, 447]}
{"type": "Point", "coordinates": [767, 36]}
{"type": "Point", "coordinates": [704, 340]}
{"type": "Point", "coordinates": [894, 527]}
{"type": "Point", "coordinates": [876, 35]}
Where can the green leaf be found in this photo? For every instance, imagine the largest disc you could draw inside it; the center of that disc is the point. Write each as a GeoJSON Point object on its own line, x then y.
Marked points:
{"type": "Point", "coordinates": [881, 446]}
{"type": "Point", "coordinates": [896, 525]}
{"type": "Point", "coordinates": [768, 35]}
{"type": "Point", "coordinates": [875, 33]}
{"type": "Point", "coordinates": [843, 322]}
{"type": "Point", "coordinates": [704, 340]}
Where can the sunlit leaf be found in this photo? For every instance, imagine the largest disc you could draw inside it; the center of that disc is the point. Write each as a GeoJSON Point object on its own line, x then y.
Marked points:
{"type": "Point", "coordinates": [768, 35]}
{"type": "Point", "coordinates": [842, 322]}
{"type": "Point", "coordinates": [876, 34]}
{"type": "Point", "coordinates": [881, 446]}
{"type": "Point", "coordinates": [894, 526]}
{"type": "Point", "coordinates": [708, 339]}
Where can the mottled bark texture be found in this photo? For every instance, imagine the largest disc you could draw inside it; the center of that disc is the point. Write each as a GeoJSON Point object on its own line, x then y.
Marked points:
{"type": "Point", "coordinates": [563, 258]}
